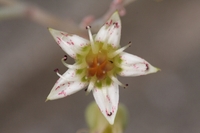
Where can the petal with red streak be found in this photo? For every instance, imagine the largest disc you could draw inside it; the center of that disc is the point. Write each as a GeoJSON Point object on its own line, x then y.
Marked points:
{"type": "Point", "coordinates": [132, 65]}
{"type": "Point", "coordinates": [64, 87]}
{"type": "Point", "coordinates": [71, 44]}
{"type": "Point", "coordinates": [107, 98]}
{"type": "Point", "coordinates": [110, 32]}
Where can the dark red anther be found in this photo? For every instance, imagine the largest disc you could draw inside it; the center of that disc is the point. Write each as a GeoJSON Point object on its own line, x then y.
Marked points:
{"type": "Point", "coordinates": [65, 57]}
{"type": "Point", "coordinates": [111, 61]}
{"type": "Point", "coordinates": [125, 86]}
{"type": "Point", "coordinates": [56, 70]}
{"type": "Point", "coordinates": [129, 43]}
{"type": "Point", "coordinates": [88, 27]}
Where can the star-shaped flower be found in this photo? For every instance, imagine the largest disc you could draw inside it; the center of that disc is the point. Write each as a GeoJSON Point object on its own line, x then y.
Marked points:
{"type": "Point", "coordinates": [98, 61]}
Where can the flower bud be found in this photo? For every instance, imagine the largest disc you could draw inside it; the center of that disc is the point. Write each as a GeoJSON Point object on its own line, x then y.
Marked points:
{"type": "Point", "coordinates": [97, 122]}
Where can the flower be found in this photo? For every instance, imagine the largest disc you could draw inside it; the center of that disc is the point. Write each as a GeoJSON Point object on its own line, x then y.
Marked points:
{"type": "Point", "coordinates": [98, 61]}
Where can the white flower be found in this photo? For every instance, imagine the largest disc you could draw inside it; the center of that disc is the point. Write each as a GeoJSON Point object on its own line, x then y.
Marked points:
{"type": "Point", "coordinates": [97, 64]}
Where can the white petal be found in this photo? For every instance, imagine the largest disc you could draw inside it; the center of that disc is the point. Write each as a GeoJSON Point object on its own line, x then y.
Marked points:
{"type": "Point", "coordinates": [110, 32]}
{"type": "Point", "coordinates": [71, 44]}
{"type": "Point", "coordinates": [135, 66]}
{"type": "Point", "coordinates": [107, 98]}
{"type": "Point", "coordinates": [63, 88]}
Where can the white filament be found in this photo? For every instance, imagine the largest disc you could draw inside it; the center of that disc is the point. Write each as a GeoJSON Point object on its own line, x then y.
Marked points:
{"type": "Point", "coordinates": [66, 79]}
{"type": "Point", "coordinates": [118, 82]}
{"type": "Point", "coordinates": [74, 66]}
{"type": "Point", "coordinates": [111, 55]}
{"type": "Point", "coordinates": [94, 48]}
{"type": "Point", "coordinates": [91, 84]}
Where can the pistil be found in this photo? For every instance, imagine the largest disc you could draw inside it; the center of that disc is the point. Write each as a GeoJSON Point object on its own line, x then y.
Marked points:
{"type": "Point", "coordinates": [98, 65]}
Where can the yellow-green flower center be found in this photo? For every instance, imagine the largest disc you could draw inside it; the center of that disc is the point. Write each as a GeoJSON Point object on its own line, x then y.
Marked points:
{"type": "Point", "coordinates": [99, 65]}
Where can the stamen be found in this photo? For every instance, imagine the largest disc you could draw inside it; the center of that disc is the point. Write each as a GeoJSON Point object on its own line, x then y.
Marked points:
{"type": "Point", "coordinates": [56, 70]}
{"type": "Point", "coordinates": [94, 48]}
{"type": "Point", "coordinates": [66, 79]}
{"type": "Point", "coordinates": [74, 66]}
{"type": "Point", "coordinates": [91, 84]}
{"type": "Point", "coordinates": [59, 75]}
{"type": "Point", "coordinates": [65, 57]}
{"type": "Point", "coordinates": [118, 82]}
{"type": "Point", "coordinates": [126, 86]}
{"type": "Point", "coordinates": [111, 55]}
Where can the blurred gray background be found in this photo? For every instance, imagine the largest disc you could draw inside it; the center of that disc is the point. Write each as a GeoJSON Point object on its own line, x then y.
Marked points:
{"type": "Point", "coordinates": [167, 34]}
